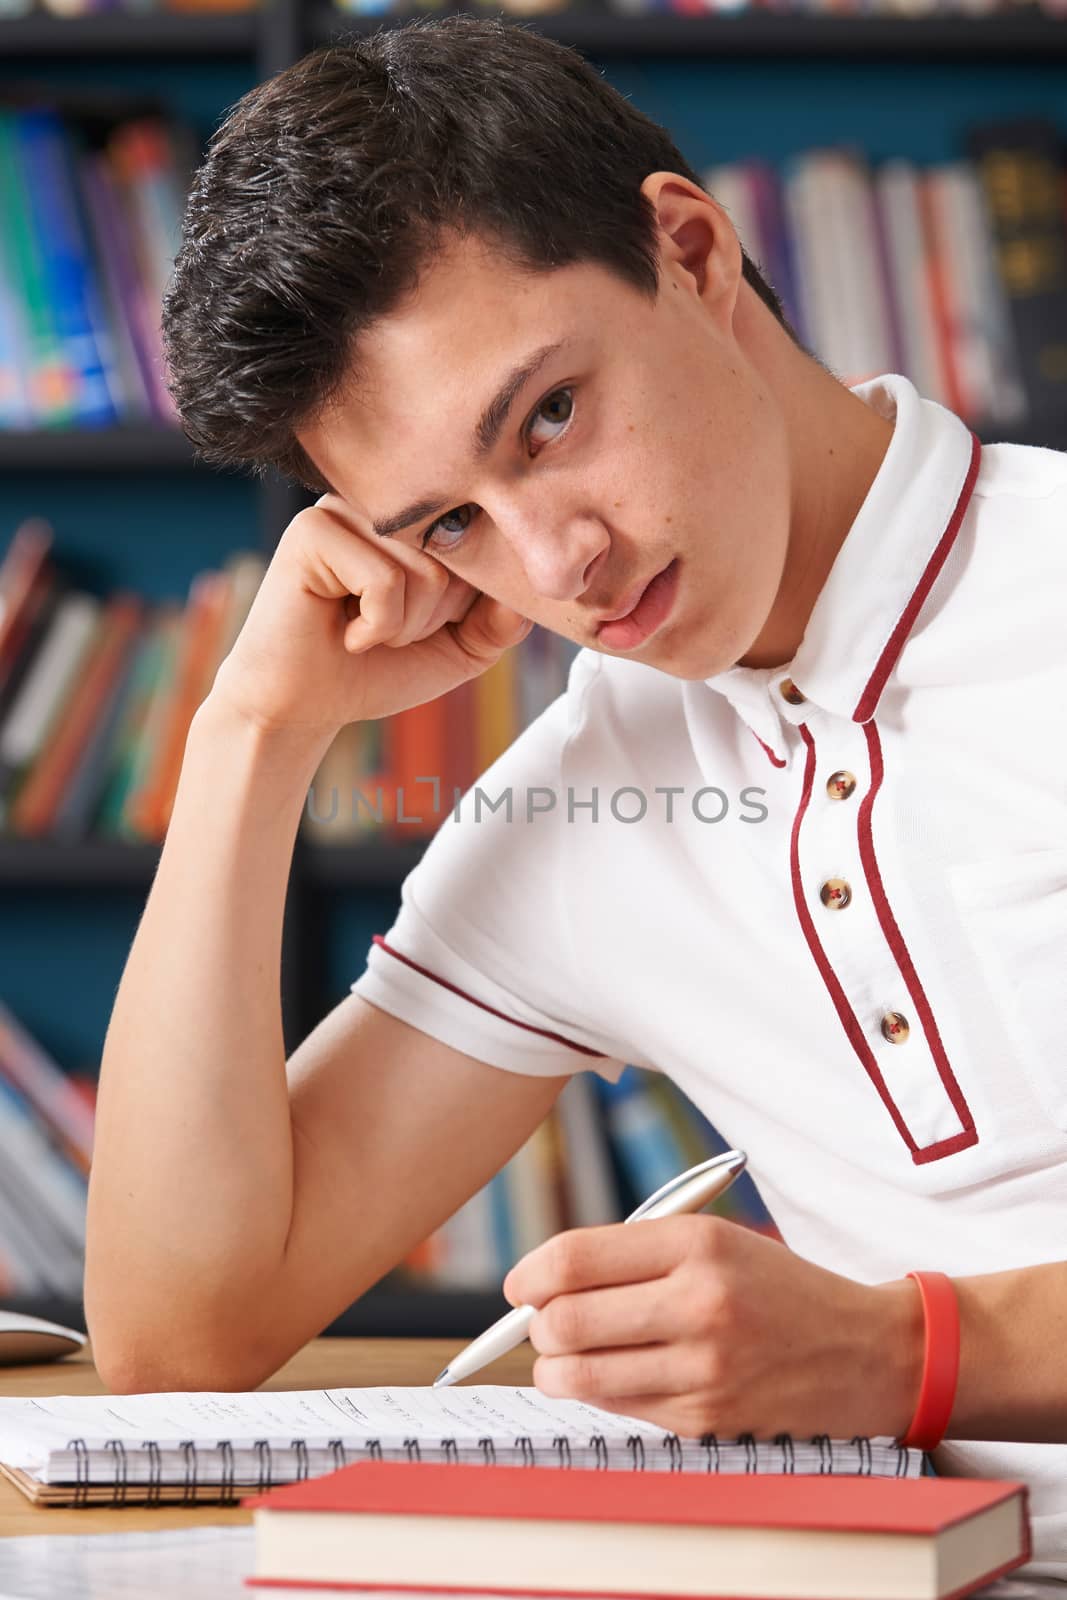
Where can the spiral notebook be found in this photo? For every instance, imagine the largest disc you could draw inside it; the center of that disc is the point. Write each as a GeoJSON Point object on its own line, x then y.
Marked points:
{"type": "Point", "coordinates": [182, 1448]}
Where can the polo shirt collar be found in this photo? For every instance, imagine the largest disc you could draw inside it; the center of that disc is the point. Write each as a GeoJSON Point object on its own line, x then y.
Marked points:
{"type": "Point", "coordinates": [881, 575]}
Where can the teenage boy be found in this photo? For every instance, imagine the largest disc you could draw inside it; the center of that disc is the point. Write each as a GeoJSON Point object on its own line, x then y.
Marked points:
{"type": "Point", "coordinates": [793, 835]}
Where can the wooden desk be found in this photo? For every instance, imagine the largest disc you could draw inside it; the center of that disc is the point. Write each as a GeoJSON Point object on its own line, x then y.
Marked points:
{"type": "Point", "coordinates": [323, 1364]}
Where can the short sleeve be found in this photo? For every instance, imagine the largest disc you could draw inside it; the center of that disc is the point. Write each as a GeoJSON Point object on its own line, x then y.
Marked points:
{"type": "Point", "coordinates": [480, 955]}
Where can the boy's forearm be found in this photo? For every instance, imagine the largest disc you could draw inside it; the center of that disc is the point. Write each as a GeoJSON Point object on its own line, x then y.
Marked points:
{"type": "Point", "coordinates": [191, 1190]}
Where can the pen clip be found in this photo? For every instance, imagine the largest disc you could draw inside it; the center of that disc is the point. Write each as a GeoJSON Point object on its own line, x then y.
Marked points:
{"type": "Point", "coordinates": [732, 1158]}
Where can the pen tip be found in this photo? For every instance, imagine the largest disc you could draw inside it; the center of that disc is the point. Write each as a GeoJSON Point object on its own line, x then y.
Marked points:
{"type": "Point", "coordinates": [441, 1378]}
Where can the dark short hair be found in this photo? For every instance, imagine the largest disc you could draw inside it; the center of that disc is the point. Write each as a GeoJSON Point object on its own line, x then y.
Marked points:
{"type": "Point", "coordinates": [327, 189]}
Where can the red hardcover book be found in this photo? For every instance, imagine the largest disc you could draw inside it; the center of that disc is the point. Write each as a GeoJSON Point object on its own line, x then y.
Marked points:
{"type": "Point", "coordinates": [552, 1530]}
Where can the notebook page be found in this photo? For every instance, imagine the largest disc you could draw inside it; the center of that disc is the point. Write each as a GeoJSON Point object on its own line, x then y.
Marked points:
{"type": "Point", "coordinates": [31, 1427]}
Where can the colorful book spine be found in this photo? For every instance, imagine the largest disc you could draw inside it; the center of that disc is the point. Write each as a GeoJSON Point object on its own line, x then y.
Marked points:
{"type": "Point", "coordinates": [49, 378]}
{"type": "Point", "coordinates": [34, 809]}
{"type": "Point", "coordinates": [66, 264]}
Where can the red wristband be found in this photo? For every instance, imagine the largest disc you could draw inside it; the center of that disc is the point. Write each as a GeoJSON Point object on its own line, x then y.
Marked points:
{"type": "Point", "coordinates": [941, 1361]}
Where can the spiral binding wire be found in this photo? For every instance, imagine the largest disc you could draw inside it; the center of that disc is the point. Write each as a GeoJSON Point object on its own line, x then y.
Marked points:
{"type": "Point", "coordinates": [155, 1472]}
{"type": "Point", "coordinates": [226, 1449]}
{"type": "Point", "coordinates": [192, 1460]}
{"type": "Point", "coordinates": [224, 1492]}
{"type": "Point", "coordinates": [122, 1471]}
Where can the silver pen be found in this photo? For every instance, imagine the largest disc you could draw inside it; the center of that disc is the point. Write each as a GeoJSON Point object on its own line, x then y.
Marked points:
{"type": "Point", "coordinates": [690, 1191]}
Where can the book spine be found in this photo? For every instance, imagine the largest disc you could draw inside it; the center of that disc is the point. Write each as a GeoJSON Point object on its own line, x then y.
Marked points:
{"type": "Point", "coordinates": [38, 799]}
{"type": "Point", "coordinates": [32, 1073]}
{"type": "Point", "coordinates": [48, 1196]}
{"type": "Point", "coordinates": [47, 685]}
{"type": "Point", "coordinates": [1020, 168]}
{"type": "Point", "coordinates": [940, 300]}
{"type": "Point", "coordinates": [1005, 397]}
{"type": "Point", "coordinates": [897, 197]}
{"type": "Point", "coordinates": [50, 381]}
{"type": "Point", "coordinates": [149, 742]}
{"type": "Point", "coordinates": [65, 261]}
{"type": "Point", "coordinates": [122, 291]}
{"type": "Point", "coordinates": [29, 604]}
{"type": "Point", "coordinates": [49, 1183]}
{"type": "Point", "coordinates": [777, 241]}
{"type": "Point", "coordinates": [647, 1151]}
{"type": "Point", "coordinates": [592, 1194]}
{"type": "Point", "coordinates": [24, 561]}
{"type": "Point", "coordinates": [15, 409]}
{"type": "Point", "coordinates": [150, 668]}
{"type": "Point", "coordinates": [77, 805]}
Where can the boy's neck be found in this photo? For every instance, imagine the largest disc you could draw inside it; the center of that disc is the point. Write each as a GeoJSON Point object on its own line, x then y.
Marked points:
{"type": "Point", "coordinates": [837, 443]}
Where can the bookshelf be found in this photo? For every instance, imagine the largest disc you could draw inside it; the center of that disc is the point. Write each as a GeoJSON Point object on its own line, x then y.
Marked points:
{"type": "Point", "coordinates": [42, 36]}
{"type": "Point", "coordinates": [857, 74]}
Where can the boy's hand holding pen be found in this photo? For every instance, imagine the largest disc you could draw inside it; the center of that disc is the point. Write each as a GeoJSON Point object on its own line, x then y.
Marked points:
{"type": "Point", "coordinates": [701, 1325]}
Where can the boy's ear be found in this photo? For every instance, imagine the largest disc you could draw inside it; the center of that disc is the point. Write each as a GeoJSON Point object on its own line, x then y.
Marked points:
{"type": "Point", "coordinates": [698, 243]}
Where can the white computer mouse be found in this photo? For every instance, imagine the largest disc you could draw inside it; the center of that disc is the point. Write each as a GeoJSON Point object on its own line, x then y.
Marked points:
{"type": "Point", "coordinates": [24, 1339]}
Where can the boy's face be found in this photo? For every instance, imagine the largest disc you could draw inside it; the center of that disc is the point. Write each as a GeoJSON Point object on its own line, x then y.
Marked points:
{"type": "Point", "coordinates": [645, 445]}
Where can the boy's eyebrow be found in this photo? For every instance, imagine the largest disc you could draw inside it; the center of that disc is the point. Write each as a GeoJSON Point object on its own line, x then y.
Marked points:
{"type": "Point", "coordinates": [486, 433]}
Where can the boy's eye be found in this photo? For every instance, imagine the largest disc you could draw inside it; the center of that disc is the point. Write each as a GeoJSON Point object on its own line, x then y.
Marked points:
{"type": "Point", "coordinates": [551, 404]}
{"type": "Point", "coordinates": [549, 422]}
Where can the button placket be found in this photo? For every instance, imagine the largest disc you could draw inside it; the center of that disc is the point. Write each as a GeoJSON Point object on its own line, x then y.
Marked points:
{"type": "Point", "coordinates": [845, 921]}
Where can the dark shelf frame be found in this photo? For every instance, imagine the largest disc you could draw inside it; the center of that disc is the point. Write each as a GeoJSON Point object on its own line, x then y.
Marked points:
{"type": "Point", "coordinates": [1029, 35]}
{"type": "Point", "coordinates": [97, 864]}
{"type": "Point", "coordinates": [130, 447]}
{"type": "Point", "coordinates": [278, 32]}
{"type": "Point", "coordinates": [45, 37]}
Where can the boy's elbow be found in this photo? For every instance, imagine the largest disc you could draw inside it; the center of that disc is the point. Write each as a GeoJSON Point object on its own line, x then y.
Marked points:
{"type": "Point", "coordinates": [162, 1361]}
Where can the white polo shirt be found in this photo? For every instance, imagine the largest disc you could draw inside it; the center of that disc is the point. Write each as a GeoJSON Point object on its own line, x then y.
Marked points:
{"type": "Point", "coordinates": [844, 933]}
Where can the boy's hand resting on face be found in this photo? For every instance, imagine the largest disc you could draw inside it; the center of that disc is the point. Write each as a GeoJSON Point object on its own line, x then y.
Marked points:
{"type": "Point", "coordinates": [347, 627]}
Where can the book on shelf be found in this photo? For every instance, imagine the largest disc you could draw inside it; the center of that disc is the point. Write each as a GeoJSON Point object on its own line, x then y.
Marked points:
{"type": "Point", "coordinates": [471, 1529]}
{"type": "Point", "coordinates": [954, 274]}
{"type": "Point", "coordinates": [1020, 165]}
{"type": "Point", "coordinates": [90, 214]}
{"type": "Point", "coordinates": [67, 9]}
{"type": "Point", "coordinates": [45, 1144]}
{"type": "Point", "coordinates": [97, 695]}
{"type": "Point", "coordinates": [858, 10]}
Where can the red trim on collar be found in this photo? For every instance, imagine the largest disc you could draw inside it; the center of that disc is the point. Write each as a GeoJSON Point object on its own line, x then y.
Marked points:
{"type": "Point", "coordinates": [868, 700]}
{"type": "Point", "coordinates": [849, 1020]}
{"type": "Point", "coordinates": [426, 973]}
{"type": "Point", "coordinates": [770, 753]}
